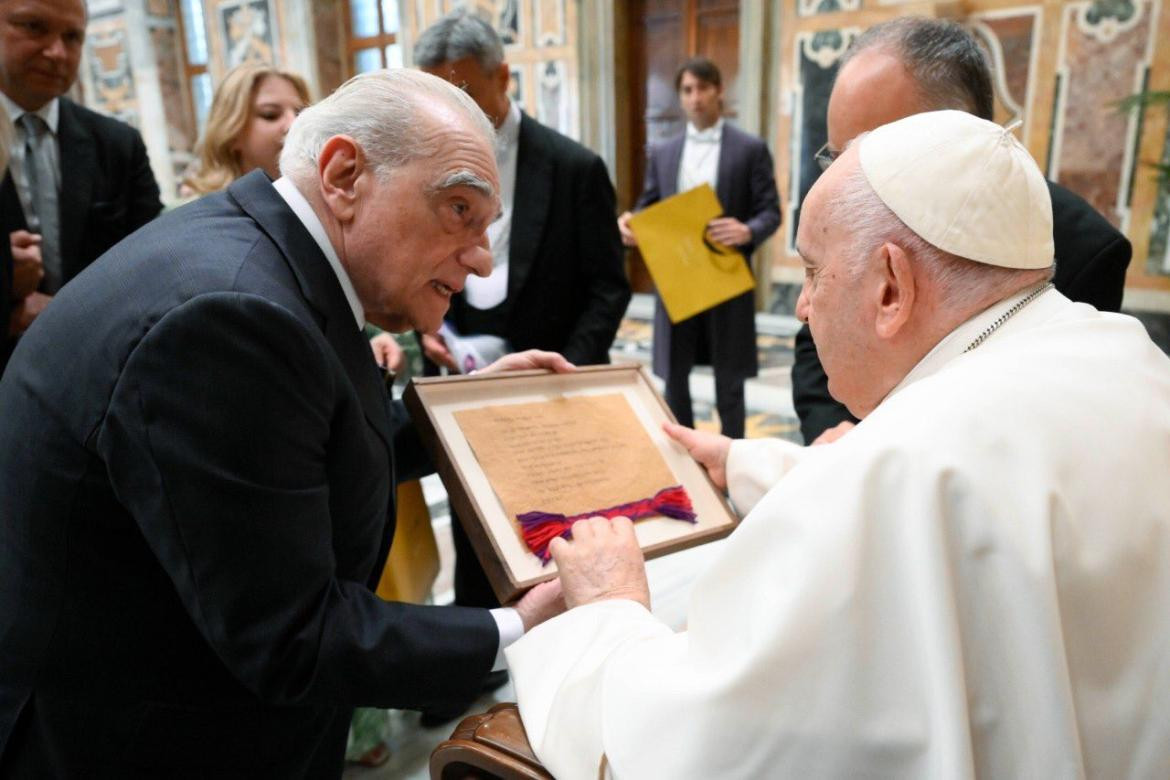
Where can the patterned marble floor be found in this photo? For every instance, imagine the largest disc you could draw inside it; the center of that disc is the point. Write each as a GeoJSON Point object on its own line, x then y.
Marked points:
{"type": "Point", "coordinates": [769, 402]}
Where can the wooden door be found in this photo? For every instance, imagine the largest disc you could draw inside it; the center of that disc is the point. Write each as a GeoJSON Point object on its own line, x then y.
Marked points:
{"type": "Point", "coordinates": [661, 35]}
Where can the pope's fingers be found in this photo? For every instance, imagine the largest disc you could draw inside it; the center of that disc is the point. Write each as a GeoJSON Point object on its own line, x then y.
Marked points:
{"type": "Point", "coordinates": [582, 531]}
{"type": "Point", "coordinates": [680, 433]}
{"type": "Point", "coordinates": [558, 548]}
{"type": "Point", "coordinates": [622, 527]}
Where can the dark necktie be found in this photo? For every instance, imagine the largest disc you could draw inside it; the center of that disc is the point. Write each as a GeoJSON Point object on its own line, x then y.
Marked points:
{"type": "Point", "coordinates": [42, 186]}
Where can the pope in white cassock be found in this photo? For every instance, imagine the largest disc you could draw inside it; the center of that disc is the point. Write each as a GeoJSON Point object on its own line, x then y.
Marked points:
{"type": "Point", "coordinates": [974, 582]}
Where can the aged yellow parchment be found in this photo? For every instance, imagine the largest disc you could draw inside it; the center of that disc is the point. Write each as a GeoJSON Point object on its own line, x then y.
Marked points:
{"type": "Point", "coordinates": [567, 456]}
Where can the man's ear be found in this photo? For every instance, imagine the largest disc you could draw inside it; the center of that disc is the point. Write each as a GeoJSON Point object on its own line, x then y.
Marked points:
{"type": "Point", "coordinates": [339, 166]}
{"type": "Point", "coordinates": [897, 291]}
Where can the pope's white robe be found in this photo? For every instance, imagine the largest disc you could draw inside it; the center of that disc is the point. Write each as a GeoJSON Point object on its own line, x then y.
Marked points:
{"type": "Point", "coordinates": [974, 582]}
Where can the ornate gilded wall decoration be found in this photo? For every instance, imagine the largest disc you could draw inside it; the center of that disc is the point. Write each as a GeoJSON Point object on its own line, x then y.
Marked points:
{"type": "Point", "coordinates": [248, 30]}
{"type": "Point", "coordinates": [1106, 49]}
{"type": "Point", "coordinates": [109, 65]}
{"type": "Point", "coordinates": [553, 109]}
{"type": "Point", "coordinates": [817, 55]}
{"type": "Point", "coordinates": [815, 7]}
{"type": "Point", "coordinates": [1009, 38]}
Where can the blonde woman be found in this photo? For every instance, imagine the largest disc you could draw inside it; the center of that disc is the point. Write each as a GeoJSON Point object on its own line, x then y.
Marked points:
{"type": "Point", "coordinates": [252, 110]}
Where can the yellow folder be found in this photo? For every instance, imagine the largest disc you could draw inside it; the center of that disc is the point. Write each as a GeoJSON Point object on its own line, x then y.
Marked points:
{"type": "Point", "coordinates": [413, 562]}
{"type": "Point", "coordinates": [692, 273]}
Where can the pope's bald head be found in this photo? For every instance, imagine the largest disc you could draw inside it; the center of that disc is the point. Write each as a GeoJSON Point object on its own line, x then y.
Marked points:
{"type": "Point", "coordinates": [906, 66]}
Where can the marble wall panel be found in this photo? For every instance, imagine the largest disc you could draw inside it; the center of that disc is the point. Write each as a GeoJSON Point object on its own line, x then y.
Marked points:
{"type": "Point", "coordinates": [814, 7]}
{"type": "Point", "coordinates": [553, 105]}
{"type": "Point", "coordinates": [506, 18]}
{"type": "Point", "coordinates": [549, 22]}
{"type": "Point", "coordinates": [1159, 259]}
{"type": "Point", "coordinates": [817, 55]}
{"type": "Point", "coordinates": [1105, 53]}
{"type": "Point", "coordinates": [108, 60]}
{"type": "Point", "coordinates": [1010, 41]}
{"type": "Point", "coordinates": [517, 81]}
{"type": "Point", "coordinates": [168, 54]}
{"type": "Point", "coordinates": [247, 30]}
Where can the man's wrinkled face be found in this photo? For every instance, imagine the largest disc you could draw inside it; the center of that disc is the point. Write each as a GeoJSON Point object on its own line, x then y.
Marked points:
{"type": "Point", "coordinates": [489, 89]}
{"type": "Point", "coordinates": [40, 49]}
{"type": "Point", "coordinates": [701, 100]}
{"type": "Point", "coordinates": [420, 229]}
{"type": "Point", "coordinates": [831, 300]}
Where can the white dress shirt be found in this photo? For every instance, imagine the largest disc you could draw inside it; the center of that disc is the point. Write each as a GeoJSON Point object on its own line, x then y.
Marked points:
{"type": "Point", "coordinates": [486, 293]}
{"type": "Point", "coordinates": [700, 157]}
{"type": "Point", "coordinates": [508, 621]}
{"type": "Point", "coordinates": [51, 113]}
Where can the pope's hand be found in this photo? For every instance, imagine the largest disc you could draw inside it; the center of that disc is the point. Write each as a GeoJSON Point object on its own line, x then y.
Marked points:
{"type": "Point", "coordinates": [602, 561]}
{"type": "Point", "coordinates": [544, 601]}
{"type": "Point", "coordinates": [531, 358]}
{"type": "Point", "coordinates": [708, 449]}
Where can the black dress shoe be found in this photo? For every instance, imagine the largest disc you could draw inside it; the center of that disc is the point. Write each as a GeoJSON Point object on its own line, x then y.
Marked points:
{"type": "Point", "coordinates": [437, 716]}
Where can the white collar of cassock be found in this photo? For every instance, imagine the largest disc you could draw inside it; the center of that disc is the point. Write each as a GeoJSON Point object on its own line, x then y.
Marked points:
{"type": "Point", "coordinates": [709, 136]}
{"type": "Point", "coordinates": [955, 343]}
{"type": "Point", "coordinates": [300, 206]}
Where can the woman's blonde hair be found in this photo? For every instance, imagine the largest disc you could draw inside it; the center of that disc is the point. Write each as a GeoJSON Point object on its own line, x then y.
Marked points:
{"type": "Point", "coordinates": [217, 165]}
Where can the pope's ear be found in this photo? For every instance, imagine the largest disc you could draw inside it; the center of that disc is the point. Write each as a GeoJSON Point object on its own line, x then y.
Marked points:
{"type": "Point", "coordinates": [339, 166]}
{"type": "Point", "coordinates": [897, 291]}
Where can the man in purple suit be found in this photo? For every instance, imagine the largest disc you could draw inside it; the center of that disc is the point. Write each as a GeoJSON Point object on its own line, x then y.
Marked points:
{"type": "Point", "coordinates": [738, 166]}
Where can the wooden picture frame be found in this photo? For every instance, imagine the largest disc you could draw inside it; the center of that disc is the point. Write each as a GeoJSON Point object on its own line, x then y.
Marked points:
{"type": "Point", "coordinates": [509, 566]}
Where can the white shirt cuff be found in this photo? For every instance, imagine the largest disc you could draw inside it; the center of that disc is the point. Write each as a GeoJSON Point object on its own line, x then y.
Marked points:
{"type": "Point", "coordinates": [511, 628]}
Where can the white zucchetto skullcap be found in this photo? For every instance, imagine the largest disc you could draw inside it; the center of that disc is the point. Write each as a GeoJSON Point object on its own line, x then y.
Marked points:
{"type": "Point", "coordinates": [963, 184]}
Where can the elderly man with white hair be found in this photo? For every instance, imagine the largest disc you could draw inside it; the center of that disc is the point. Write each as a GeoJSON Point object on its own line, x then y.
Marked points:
{"type": "Point", "coordinates": [197, 456]}
{"type": "Point", "coordinates": [973, 583]}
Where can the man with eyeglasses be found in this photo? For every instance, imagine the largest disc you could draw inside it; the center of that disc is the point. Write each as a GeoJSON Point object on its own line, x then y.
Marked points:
{"type": "Point", "coordinates": [738, 166]}
{"type": "Point", "coordinates": [907, 66]}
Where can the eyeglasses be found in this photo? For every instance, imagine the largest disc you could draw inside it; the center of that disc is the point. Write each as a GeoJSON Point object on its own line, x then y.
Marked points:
{"type": "Point", "coordinates": [825, 156]}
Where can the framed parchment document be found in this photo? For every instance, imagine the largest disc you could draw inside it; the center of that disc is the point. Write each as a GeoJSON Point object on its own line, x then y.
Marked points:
{"type": "Point", "coordinates": [517, 444]}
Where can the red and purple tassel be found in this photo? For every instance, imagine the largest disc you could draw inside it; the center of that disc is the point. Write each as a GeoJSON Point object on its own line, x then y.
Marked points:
{"type": "Point", "coordinates": [540, 528]}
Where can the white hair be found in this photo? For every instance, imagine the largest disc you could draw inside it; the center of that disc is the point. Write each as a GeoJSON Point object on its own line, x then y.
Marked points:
{"type": "Point", "coordinates": [963, 285]}
{"type": "Point", "coordinates": [389, 113]}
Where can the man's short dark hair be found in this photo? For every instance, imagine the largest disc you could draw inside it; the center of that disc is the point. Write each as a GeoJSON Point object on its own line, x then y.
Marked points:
{"type": "Point", "coordinates": [942, 57]}
{"type": "Point", "coordinates": [702, 69]}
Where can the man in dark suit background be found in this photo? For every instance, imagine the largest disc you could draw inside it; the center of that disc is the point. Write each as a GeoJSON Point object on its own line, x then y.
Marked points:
{"type": "Point", "coordinates": [87, 173]}
{"type": "Point", "coordinates": [914, 64]}
{"type": "Point", "coordinates": [557, 281]}
{"type": "Point", "coordinates": [738, 166]}
{"type": "Point", "coordinates": [197, 459]}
